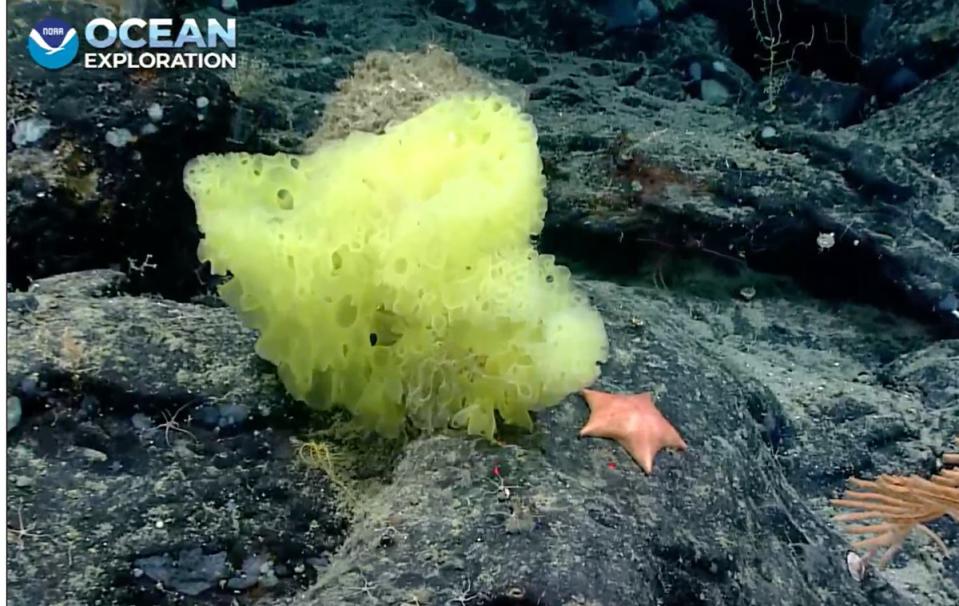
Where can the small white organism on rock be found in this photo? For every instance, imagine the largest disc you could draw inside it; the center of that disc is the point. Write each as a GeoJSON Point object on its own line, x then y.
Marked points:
{"type": "Point", "coordinates": [825, 240]}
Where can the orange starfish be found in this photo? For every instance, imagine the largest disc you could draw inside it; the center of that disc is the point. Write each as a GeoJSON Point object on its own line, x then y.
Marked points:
{"type": "Point", "coordinates": [633, 421]}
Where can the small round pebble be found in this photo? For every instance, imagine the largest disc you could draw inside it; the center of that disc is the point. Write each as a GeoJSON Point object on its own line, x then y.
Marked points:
{"type": "Point", "coordinates": [14, 412]}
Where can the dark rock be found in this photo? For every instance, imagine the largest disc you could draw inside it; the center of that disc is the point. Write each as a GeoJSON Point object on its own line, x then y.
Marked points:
{"type": "Point", "coordinates": [191, 573]}
{"type": "Point", "coordinates": [253, 5]}
{"type": "Point", "coordinates": [221, 416]}
{"type": "Point", "coordinates": [566, 25]}
{"type": "Point", "coordinates": [774, 39]}
{"type": "Point", "coordinates": [628, 14]}
{"type": "Point", "coordinates": [250, 573]}
{"type": "Point", "coordinates": [738, 204]}
{"type": "Point", "coordinates": [907, 42]}
{"type": "Point", "coordinates": [133, 346]}
{"type": "Point", "coordinates": [21, 303]}
{"type": "Point", "coordinates": [91, 283]}
{"type": "Point", "coordinates": [949, 303]}
{"type": "Point", "coordinates": [899, 82]}
{"type": "Point", "coordinates": [699, 68]}
{"type": "Point", "coordinates": [126, 490]}
{"type": "Point", "coordinates": [569, 489]}
{"type": "Point", "coordinates": [14, 412]}
{"type": "Point", "coordinates": [28, 387]}
{"type": "Point", "coordinates": [821, 104]}
{"type": "Point", "coordinates": [76, 201]}
{"type": "Point", "coordinates": [232, 415]}
{"type": "Point", "coordinates": [932, 372]}
{"type": "Point", "coordinates": [208, 416]}
{"type": "Point", "coordinates": [441, 494]}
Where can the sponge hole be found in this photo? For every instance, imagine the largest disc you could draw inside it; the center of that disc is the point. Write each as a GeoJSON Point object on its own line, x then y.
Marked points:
{"type": "Point", "coordinates": [295, 162]}
{"type": "Point", "coordinates": [345, 312]}
{"type": "Point", "coordinates": [284, 199]}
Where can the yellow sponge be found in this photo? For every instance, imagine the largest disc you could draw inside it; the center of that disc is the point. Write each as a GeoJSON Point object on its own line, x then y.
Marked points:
{"type": "Point", "coordinates": [393, 274]}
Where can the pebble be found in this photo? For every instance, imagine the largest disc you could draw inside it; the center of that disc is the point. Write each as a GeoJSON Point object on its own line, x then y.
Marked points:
{"type": "Point", "coordinates": [221, 415]}
{"type": "Point", "coordinates": [155, 112]}
{"type": "Point", "coordinates": [192, 572]}
{"type": "Point", "coordinates": [949, 303]}
{"type": "Point", "coordinates": [22, 481]}
{"type": "Point", "coordinates": [118, 137]}
{"type": "Point", "coordinates": [712, 91]}
{"type": "Point", "coordinates": [29, 387]}
{"type": "Point", "coordinates": [29, 131]}
{"type": "Point", "coordinates": [696, 70]}
{"type": "Point", "coordinates": [14, 412]}
{"type": "Point", "coordinates": [94, 456]}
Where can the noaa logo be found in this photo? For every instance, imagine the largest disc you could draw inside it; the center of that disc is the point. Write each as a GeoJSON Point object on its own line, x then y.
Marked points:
{"type": "Point", "coordinates": [53, 43]}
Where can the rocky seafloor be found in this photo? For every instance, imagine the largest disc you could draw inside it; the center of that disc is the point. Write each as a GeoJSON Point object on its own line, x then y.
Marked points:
{"type": "Point", "coordinates": [775, 254]}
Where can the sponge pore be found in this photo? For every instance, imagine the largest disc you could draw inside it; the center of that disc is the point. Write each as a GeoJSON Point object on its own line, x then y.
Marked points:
{"type": "Point", "coordinates": [393, 274]}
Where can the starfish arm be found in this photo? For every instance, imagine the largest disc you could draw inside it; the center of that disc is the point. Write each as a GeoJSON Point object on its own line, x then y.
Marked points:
{"type": "Point", "coordinates": [643, 452]}
{"type": "Point", "coordinates": [644, 446]}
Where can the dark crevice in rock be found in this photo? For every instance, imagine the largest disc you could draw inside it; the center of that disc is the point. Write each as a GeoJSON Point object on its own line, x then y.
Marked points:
{"type": "Point", "coordinates": [855, 269]}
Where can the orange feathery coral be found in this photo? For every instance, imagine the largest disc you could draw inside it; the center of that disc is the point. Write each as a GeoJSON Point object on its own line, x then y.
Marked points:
{"type": "Point", "coordinates": [895, 505]}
